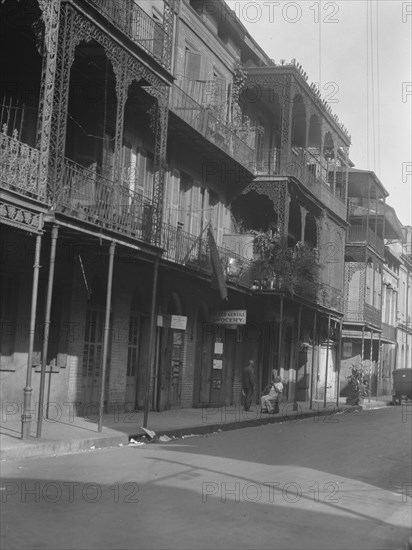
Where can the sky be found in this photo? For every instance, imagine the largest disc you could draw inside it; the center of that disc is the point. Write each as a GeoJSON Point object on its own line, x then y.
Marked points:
{"type": "Point", "coordinates": [361, 53]}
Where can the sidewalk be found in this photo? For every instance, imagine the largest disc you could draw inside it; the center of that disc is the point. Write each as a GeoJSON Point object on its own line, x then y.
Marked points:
{"type": "Point", "coordinates": [74, 434]}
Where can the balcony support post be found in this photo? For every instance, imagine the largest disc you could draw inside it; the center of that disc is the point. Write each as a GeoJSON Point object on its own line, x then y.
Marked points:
{"type": "Point", "coordinates": [28, 390]}
{"type": "Point", "coordinates": [169, 10]}
{"type": "Point", "coordinates": [150, 362]}
{"type": "Point", "coordinates": [370, 366]}
{"type": "Point", "coordinates": [297, 352]}
{"type": "Point", "coordinates": [314, 341]}
{"type": "Point", "coordinates": [50, 283]}
{"type": "Point", "coordinates": [327, 363]}
{"type": "Point", "coordinates": [339, 361]}
{"type": "Point", "coordinates": [378, 372]}
{"type": "Point", "coordinates": [286, 135]}
{"type": "Point", "coordinates": [363, 345]}
{"type": "Point", "coordinates": [50, 16]}
{"type": "Point", "coordinates": [280, 362]}
{"type": "Point", "coordinates": [106, 334]}
{"type": "Point", "coordinates": [159, 125]}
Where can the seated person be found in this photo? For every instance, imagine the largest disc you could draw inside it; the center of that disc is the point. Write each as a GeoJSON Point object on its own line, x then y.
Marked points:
{"type": "Point", "coordinates": [277, 382]}
{"type": "Point", "coordinates": [270, 396]}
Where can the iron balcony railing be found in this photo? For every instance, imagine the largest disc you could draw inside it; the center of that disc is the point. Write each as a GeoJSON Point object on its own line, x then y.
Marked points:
{"type": "Point", "coordinates": [389, 332]}
{"type": "Point", "coordinates": [364, 235]}
{"type": "Point", "coordinates": [361, 312]}
{"type": "Point", "coordinates": [86, 195]}
{"type": "Point", "coordinates": [301, 165]}
{"type": "Point", "coordinates": [19, 166]}
{"type": "Point", "coordinates": [215, 131]}
{"type": "Point", "coordinates": [135, 23]}
{"type": "Point", "coordinates": [194, 252]}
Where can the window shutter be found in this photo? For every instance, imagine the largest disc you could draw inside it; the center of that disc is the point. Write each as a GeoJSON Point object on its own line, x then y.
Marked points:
{"type": "Point", "coordinates": [140, 172]}
{"type": "Point", "coordinates": [193, 62]}
{"type": "Point", "coordinates": [149, 178]}
{"type": "Point", "coordinates": [196, 210]}
{"type": "Point", "coordinates": [174, 198]}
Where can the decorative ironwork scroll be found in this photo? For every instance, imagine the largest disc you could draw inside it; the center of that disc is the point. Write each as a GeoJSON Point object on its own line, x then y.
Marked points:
{"type": "Point", "coordinates": [75, 28]}
{"type": "Point", "coordinates": [18, 217]}
{"type": "Point", "coordinates": [169, 10]}
{"type": "Point", "coordinates": [278, 193]}
{"type": "Point", "coordinates": [159, 117]}
{"type": "Point", "coordinates": [50, 15]}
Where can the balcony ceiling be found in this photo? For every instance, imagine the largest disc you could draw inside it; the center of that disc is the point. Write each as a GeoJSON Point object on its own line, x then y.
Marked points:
{"type": "Point", "coordinates": [365, 184]}
{"type": "Point", "coordinates": [203, 152]}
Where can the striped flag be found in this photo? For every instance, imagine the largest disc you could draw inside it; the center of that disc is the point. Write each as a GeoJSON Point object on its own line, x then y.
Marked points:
{"type": "Point", "coordinates": [219, 275]}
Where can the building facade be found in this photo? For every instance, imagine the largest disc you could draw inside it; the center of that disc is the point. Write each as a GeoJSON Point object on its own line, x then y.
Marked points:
{"type": "Point", "coordinates": [159, 171]}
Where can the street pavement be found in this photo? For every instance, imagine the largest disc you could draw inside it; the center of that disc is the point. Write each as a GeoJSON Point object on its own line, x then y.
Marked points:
{"type": "Point", "coordinates": [333, 482]}
{"type": "Point", "coordinates": [67, 433]}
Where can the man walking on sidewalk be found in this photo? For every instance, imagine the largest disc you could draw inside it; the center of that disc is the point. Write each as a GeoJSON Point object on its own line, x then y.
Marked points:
{"type": "Point", "coordinates": [248, 385]}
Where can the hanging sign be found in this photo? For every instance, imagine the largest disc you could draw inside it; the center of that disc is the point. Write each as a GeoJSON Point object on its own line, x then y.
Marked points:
{"type": "Point", "coordinates": [229, 317]}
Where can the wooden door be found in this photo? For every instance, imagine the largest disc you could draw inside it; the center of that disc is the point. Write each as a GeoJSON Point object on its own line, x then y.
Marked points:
{"type": "Point", "coordinates": [133, 355]}
{"type": "Point", "coordinates": [206, 352]}
{"type": "Point", "coordinates": [92, 355]}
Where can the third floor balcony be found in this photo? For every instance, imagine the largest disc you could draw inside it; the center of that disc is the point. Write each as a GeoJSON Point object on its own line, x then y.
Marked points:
{"type": "Point", "coordinates": [137, 25]}
{"type": "Point", "coordinates": [202, 119]}
{"type": "Point", "coordinates": [365, 236]}
{"type": "Point", "coordinates": [304, 166]}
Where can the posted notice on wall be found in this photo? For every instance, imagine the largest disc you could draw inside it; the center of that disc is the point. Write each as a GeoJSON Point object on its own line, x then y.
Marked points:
{"type": "Point", "coordinates": [218, 364]}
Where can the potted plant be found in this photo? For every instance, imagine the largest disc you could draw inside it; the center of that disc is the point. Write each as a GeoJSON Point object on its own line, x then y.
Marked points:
{"type": "Point", "coordinates": [358, 386]}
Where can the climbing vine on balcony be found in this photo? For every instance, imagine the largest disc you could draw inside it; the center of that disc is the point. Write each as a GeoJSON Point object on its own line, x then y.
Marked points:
{"type": "Point", "coordinates": [290, 269]}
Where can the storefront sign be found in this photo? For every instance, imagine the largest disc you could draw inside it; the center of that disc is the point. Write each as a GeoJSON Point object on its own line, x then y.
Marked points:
{"type": "Point", "coordinates": [229, 317]}
{"type": "Point", "coordinates": [177, 322]}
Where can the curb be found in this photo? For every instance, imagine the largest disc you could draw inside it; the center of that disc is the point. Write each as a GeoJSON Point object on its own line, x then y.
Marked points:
{"type": "Point", "coordinates": [61, 447]}
{"type": "Point", "coordinates": [263, 420]}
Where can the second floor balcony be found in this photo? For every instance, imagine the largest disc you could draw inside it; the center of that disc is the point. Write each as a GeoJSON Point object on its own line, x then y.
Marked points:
{"type": "Point", "coordinates": [194, 252]}
{"type": "Point", "coordinates": [136, 24]}
{"type": "Point", "coordinates": [359, 312]}
{"type": "Point", "coordinates": [19, 166]}
{"type": "Point", "coordinates": [389, 332]}
{"type": "Point", "coordinates": [365, 236]}
{"type": "Point", "coordinates": [201, 119]}
{"type": "Point", "coordinates": [91, 198]}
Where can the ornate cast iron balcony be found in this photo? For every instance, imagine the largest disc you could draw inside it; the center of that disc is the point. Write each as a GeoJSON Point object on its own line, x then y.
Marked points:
{"type": "Point", "coordinates": [135, 23]}
{"type": "Point", "coordinates": [361, 312]}
{"type": "Point", "coordinates": [187, 249]}
{"type": "Point", "coordinates": [86, 195]}
{"type": "Point", "coordinates": [19, 166]}
{"type": "Point", "coordinates": [364, 235]}
{"type": "Point", "coordinates": [303, 166]}
{"type": "Point", "coordinates": [215, 131]}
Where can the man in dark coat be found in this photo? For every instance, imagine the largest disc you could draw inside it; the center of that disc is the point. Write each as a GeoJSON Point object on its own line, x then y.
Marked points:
{"type": "Point", "coordinates": [248, 385]}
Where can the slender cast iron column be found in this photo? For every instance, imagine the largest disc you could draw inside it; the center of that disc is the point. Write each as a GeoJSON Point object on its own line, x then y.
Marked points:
{"type": "Point", "coordinates": [26, 415]}
{"type": "Point", "coordinates": [106, 333]}
{"type": "Point", "coordinates": [313, 357]}
{"type": "Point", "coordinates": [327, 363]}
{"type": "Point", "coordinates": [54, 235]}
{"type": "Point", "coordinates": [151, 342]}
